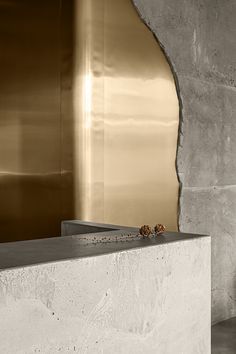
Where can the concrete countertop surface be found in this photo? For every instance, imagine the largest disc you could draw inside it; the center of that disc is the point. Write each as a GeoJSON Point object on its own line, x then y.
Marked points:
{"type": "Point", "coordinates": [54, 249]}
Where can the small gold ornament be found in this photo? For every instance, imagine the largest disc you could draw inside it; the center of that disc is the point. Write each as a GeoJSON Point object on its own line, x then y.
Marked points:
{"type": "Point", "coordinates": [145, 231]}
{"type": "Point", "coordinates": [159, 229]}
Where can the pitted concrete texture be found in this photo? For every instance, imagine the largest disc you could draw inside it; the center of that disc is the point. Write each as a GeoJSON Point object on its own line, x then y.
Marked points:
{"type": "Point", "coordinates": [150, 300]}
{"type": "Point", "coordinates": [199, 40]}
{"type": "Point", "coordinates": [223, 337]}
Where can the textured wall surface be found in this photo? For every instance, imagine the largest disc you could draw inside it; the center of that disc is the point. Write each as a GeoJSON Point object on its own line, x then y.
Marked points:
{"type": "Point", "coordinates": [199, 39]}
{"type": "Point", "coordinates": [149, 300]}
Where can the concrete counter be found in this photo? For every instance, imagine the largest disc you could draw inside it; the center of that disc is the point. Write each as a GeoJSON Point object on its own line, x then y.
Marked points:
{"type": "Point", "coordinates": [105, 291]}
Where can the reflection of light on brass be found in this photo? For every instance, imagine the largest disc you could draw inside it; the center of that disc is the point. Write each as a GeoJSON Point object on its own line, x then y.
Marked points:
{"type": "Point", "coordinates": [88, 99]}
{"type": "Point", "coordinates": [125, 149]}
{"type": "Point", "coordinates": [87, 125]}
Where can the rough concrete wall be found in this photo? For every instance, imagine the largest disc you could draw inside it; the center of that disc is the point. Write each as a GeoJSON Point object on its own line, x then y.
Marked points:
{"type": "Point", "coordinates": [199, 38]}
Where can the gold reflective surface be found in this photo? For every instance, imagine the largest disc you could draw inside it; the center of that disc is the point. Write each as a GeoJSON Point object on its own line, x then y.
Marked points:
{"type": "Point", "coordinates": [126, 119]}
{"type": "Point", "coordinates": [122, 142]}
{"type": "Point", "coordinates": [36, 190]}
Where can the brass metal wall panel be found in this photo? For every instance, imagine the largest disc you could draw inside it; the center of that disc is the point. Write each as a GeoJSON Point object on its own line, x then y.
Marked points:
{"type": "Point", "coordinates": [126, 119]}
{"type": "Point", "coordinates": [35, 85]}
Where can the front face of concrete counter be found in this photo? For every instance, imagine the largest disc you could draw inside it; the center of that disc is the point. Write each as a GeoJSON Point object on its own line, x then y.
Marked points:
{"type": "Point", "coordinates": [71, 294]}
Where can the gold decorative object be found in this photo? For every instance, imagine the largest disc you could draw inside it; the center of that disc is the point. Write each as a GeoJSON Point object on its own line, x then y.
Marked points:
{"type": "Point", "coordinates": [145, 231]}
{"type": "Point", "coordinates": [159, 229]}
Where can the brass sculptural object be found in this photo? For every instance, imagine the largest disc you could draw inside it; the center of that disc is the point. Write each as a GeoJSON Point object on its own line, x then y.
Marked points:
{"type": "Point", "coordinates": [147, 232]}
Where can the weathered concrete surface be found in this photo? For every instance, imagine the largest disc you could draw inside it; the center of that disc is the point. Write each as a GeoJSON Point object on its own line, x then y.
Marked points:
{"type": "Point", "coordinates": [223, 337]}
{"type": "Point", "coordinates": [199, 39]}
{"type": "Point", "coordinates": [150, 300]}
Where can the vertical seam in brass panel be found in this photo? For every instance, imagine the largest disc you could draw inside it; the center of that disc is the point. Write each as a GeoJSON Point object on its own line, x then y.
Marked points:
{"type": "Point", "coordinates": [60, 98]}
{"type": "Point", "coordinates": [88, 121]}
{"type": "Point", "coordinates": [103, 207]}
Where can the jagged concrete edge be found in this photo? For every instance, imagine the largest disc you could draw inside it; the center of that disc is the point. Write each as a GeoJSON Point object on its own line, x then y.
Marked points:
{"type": "Point", "coordinates": [176, 80]}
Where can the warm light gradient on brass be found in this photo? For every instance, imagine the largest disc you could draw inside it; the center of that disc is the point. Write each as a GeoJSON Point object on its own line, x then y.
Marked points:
{"type": "Point", "coordinates": [36, 189]}
{"type": "Point", "coordinates": [126, 119]}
